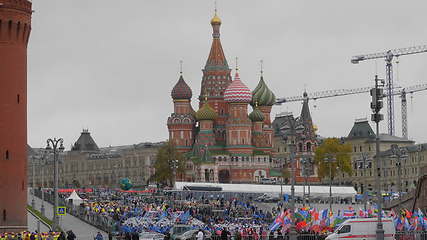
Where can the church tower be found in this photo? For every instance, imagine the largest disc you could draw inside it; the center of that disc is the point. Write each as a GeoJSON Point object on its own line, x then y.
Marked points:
{"type": "Point", "coordinates": [15, 27]}
{"type": "Point", "coordinates": [216, 78]}
{"type": "Point", "coordinates": [238, 126]}
{"type": "Point", "coordinates": [264, 99]}
{"type": "Point", "coordinates": [181, 123]}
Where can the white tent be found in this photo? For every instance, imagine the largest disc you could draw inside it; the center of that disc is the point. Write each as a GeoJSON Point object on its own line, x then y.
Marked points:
{"type": "Point", "coordinates": [74, 198]}
{"type": "Point", "coordinates": [316, 190]}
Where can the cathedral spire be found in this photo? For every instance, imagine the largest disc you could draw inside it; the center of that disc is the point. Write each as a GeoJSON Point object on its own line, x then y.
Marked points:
{"type": "Point", "coordinates": [216, 59]}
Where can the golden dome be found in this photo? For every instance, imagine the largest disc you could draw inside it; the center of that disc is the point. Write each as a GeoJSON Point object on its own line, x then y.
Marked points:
{"type": "Point", "coordinates": [216, 20]}
{"type": "Point", "coordinates": [315, 128]}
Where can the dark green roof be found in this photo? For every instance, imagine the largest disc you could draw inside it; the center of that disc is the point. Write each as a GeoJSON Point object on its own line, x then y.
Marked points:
{"type": "Point", "coordinates": [256, 115]}
{"type": "Point", "coordinates": [262, 95]}
{"type": "Point", "coordinates": [275, 173]}
{"type": "Point", "coordinates": [206, 112]}
{"type": "Point", "coordinates": [361, 129]}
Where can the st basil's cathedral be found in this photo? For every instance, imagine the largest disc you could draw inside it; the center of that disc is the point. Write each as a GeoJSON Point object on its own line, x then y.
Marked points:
{"type": "Point", "coordinates": [221, 141]}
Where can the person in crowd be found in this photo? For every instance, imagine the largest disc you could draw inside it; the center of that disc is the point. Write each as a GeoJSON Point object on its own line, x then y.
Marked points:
{"type": "Point", "coordinates": [224, 234]}
{"type": "Point", "coordinates": [200, 235]}
{"type": "Point", "coordinates": [62, 236]}
{"type": "Point", "coordinates": [71, 235]}
{"type": "Point", "coordinates": [99, 236]}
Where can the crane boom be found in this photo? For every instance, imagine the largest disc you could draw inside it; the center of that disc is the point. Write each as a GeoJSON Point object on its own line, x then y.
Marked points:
{"type": "Point", "coordinates": [395, 53]}
{"type": "Point", "coordinates": [343, 92]}
{"type": "Point", "coordinates": [388, 56]}
{"type": "Point", "coordinates": [323, 94]}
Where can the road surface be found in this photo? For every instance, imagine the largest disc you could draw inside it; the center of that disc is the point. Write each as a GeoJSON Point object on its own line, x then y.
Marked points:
{"type": "Point", "coordinates": [68, 222]}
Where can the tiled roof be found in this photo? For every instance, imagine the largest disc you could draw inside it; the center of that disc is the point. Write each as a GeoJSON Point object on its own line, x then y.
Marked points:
{"type": "Point", "coordinates": [237, 92]}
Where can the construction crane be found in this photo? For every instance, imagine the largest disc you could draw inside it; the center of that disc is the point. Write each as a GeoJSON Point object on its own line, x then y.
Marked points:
{"type": "Point", "coordinates": [388, 56]}
{"type": "Point", "coordinates": [344, 92]}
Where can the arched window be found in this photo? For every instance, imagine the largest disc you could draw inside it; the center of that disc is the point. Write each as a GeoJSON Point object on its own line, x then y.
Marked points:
{"type": "Point", "coordinates": [309, 147]}
{"type": "Point", "coordinates": [300, 147]}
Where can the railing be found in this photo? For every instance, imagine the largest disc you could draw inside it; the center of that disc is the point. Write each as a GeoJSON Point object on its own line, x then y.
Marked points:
{"type": "Point", "coordinates": [411, 235]}
{"type": "Point", "coordinates": [104, 223]}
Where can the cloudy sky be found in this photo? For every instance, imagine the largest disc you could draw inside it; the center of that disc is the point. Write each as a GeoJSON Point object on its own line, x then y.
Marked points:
{"type": "Point", "coordinates": [109, 66]}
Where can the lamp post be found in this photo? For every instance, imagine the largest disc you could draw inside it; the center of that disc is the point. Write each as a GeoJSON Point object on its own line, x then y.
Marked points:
{"type": "Point", "coordinates": [399, 154]}
{"type": "Point", "coordinates": [42, 209]}
{"type": "Point", "coordinates": [33, 163]}
{"type": "Point", "coordinates": [376, 105]}
{"type": "Point", "coordinates": [330, 159]}
{"type": "Point", "coordinates": [173, 163]}
{"type": "Point", "coordinates": [41, 164]}
{"type": "Point", "coordinates": [56, 149]}
{"type": "Point", "coordinates": [419, 149]}
{"type": "Point", "coordinates": [306, 163]}
{"type": "Point", "coordinates": [365, 186]}
{"type": "Point", "coordinates": [290, 133]}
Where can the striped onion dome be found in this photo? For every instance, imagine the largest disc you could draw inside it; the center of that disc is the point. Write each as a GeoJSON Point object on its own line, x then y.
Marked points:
{"type": "Point", "coordinates": [256, 115]}
{"type": "Point", "coordinates": [263, 95]}
{"type": "Point", "coordinates": [237, 92]}
{"type": "Point", "coordinates": [206, 112]}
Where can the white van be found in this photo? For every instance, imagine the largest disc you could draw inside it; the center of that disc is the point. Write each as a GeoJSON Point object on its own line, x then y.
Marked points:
{"type": "Point", "coordinates": [363, 229]}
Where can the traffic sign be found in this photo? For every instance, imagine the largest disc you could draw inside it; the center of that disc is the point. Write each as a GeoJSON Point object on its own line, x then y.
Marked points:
{"type": "Point", "coordinates": [61, 211]}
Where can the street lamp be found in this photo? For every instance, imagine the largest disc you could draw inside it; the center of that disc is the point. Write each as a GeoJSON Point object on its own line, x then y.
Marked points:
{"type": "Point", "coordinates": [291, 132]}
{"type": "Point", "coordinates": [376, 105]}
{"type": "Point", "coordinates": [365, 186]}
{"type": "Point", "coordinates": [330, 159]}
{"type": "Point", "coordinates": [399, 154]}
{"type": "Point", "coordinates": [173, 163]}
{"type": "Point", "coordinates": [56, 149]}
{"type": "Point", "coordinates": [419, 149]}
{"type": "Point", "coordinates": [306, 163]}
{"type": "Point", "coordinates": [33, 163]}
{"type": "Point", "coordinates": [42, 162]}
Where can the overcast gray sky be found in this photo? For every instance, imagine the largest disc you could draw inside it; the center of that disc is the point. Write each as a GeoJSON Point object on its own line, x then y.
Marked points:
{"type": "Point", "coordinates": [109, 66]}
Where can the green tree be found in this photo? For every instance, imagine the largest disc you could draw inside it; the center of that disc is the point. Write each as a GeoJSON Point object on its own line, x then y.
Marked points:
{"type": "Point", "coordinates": [167, 156]}
{"type": "Point", "coordinates": [286, 175]}
{"type": "Point", "coordinates": [333, 148]}
{"type": "Point", "coordinates": [76, 183]}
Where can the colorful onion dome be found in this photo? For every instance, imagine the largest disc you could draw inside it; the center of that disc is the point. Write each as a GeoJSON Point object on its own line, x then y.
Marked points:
{"type": "Point", "coordinates": [215, 20]}
{"type": "Point", "coordinates": [237, 92]}
{"type": "Point", "coordinates": [256, 115]}
{"type": "Point", "coordinates": [181, 90]}
{"type": "Point", "coordinates": [263, 95]}
{"type": "Point", "coordinates": [206, 112]}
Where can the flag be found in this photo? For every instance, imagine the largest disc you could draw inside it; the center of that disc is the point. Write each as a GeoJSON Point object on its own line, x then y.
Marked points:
{"type": "Point", "coordinates": [278, 221]}
{"type": "Point", "coordinates": [362, 213]}
{"type": "Point", "coordinates": [184, 217]}
{"type": "Point", "coordinates": [348, 213]}
{"type": "Point", "coordinates": [324, 213]}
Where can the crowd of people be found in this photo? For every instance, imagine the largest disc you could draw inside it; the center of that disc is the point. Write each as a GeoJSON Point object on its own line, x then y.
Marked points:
{"type": "Point", "coordinates": [38, 236]}
{"type": "Point", "coordinates": [131, 214]}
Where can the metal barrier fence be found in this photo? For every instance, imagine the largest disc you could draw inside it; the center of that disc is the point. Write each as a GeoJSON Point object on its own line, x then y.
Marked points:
{"type": "Point", "coordinates": [411, 235]}
{"type": "Point", "coordinates": [102, 222]}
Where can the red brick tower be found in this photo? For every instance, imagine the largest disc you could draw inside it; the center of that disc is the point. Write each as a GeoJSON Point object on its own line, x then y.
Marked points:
{"type": "Point", "coordinates": [216, 78]}
{"type": "Point", "coordinates": [15, 27]}
{"type": "Point", "coordinates": [181, 123]}
{"type": "Point", "coordinates": [265, 99]}
{"type": "Point", "coordinates": [257, 118]}
{"type": "Point", "coordinates": [238, 126]}
{"type": "Point", "coordinates": [206, 116]}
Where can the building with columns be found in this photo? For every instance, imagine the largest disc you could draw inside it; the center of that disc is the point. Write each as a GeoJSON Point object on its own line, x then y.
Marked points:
{"type": "Point", "coordinates": [362, 140]}
{"type": "Point", "coordinates": [221, 142]}
{"type": "Point", "coordinates": [87, 165]}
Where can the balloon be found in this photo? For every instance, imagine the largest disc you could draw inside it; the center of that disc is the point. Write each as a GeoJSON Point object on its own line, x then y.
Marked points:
{"type": "Point", "coordinates": [125, 184]}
